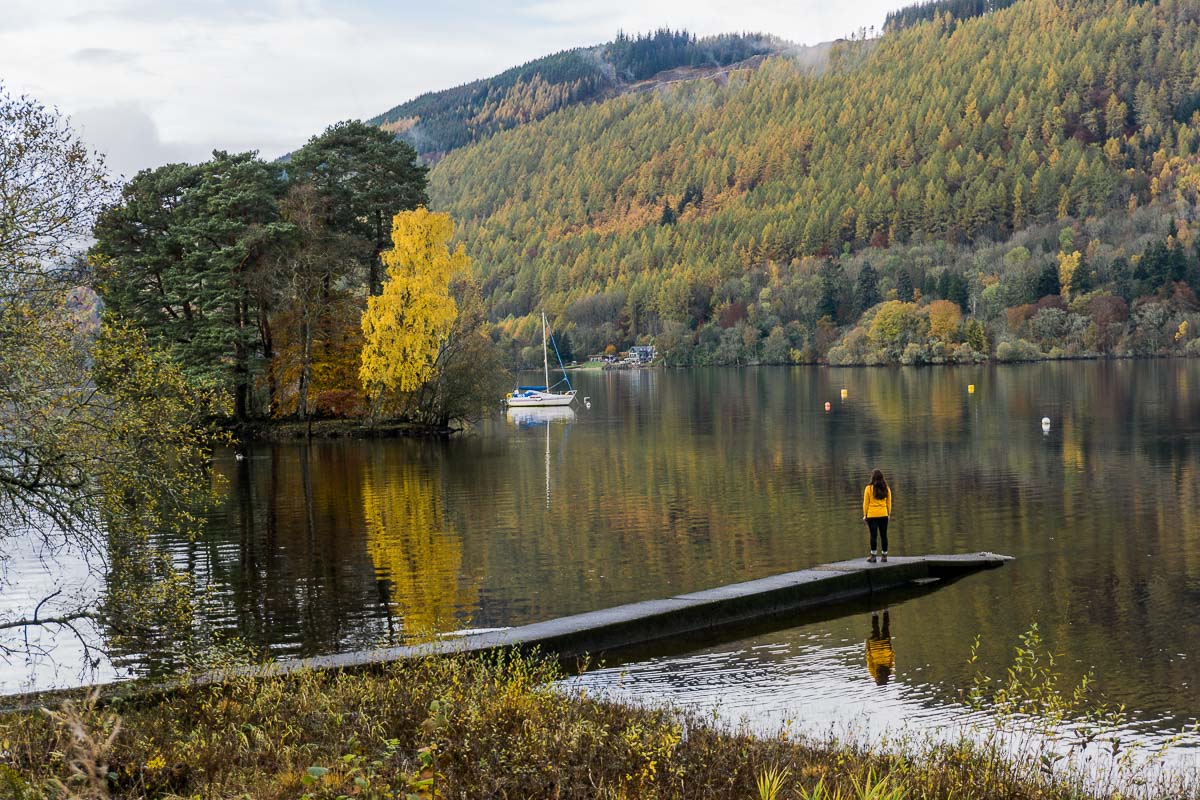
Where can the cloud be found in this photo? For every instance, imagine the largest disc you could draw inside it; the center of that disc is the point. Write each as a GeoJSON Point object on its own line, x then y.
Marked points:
{"type": "Point", "coordinates": [129, 139]}
{"type": "Point", "coordinates": [157, 81]}
{"type": "Point", "coordinates": [103, 55]}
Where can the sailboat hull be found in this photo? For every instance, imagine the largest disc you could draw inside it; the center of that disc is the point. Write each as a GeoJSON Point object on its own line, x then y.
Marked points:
{"type": "Point", "coordinates": [540, 399]}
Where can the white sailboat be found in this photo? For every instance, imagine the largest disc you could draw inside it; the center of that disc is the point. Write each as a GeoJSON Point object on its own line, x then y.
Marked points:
{"type": "Point", "coordinates": [543, 396]}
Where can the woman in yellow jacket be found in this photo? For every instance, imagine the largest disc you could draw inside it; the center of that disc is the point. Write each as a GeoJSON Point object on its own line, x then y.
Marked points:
{"type": "Point", "coordinates": [877, 507]}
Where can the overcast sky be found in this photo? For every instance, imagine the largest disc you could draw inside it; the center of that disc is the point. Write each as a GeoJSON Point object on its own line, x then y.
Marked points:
{"type": "Point", "coordinates": [151, 81]}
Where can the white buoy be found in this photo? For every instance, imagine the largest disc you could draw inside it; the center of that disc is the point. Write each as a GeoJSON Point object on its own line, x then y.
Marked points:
{"type": "Point", "coordinates": [1045, 423]}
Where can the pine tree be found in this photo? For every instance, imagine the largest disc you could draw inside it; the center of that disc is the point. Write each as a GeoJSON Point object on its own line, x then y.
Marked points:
{"type": "Point", "coordinates": [958, 291]}
{"type": "Point", "coordinates": [1083, 279]}
{"type": "Point", "coordinates": [566, 350]}
{"type": "Point", "coordinates": [668, 214]}
{"type": "Point", "coordinates": [364, 175]}
{"type": "Point", "coordinates": [1047, 282]}
{"type": "Point", "coordinates": [186, 255]}
{"type": "Point", "coordinates": [867, 292]}
{"type": "Point", "coordinates": [830, 276]}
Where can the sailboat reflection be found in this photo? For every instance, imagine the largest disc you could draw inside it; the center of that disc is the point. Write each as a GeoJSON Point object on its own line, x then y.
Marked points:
{"type": "Point", "coordinates": [881, 658]}
{"type": "Point", "coordinates": [544, 416]}
{"type": "Point", "coordinates": [527, 417]}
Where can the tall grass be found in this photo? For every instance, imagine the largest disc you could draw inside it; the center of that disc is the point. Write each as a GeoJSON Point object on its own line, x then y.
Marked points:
{"type": "Point", "coordinates": [464, 727]}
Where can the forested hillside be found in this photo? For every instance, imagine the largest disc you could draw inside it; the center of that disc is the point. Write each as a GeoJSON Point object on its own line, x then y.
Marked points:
{"type": "Point", "coordinates": [930, 9]}
{"type": "Point", "coordinates": [734, 218]}
{"type": "Point", "coordinates": [438, 122]}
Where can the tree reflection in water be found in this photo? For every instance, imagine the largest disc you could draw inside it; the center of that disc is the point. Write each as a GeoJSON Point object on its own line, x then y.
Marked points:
{"type": "Point", "coordinates": [416, 555]}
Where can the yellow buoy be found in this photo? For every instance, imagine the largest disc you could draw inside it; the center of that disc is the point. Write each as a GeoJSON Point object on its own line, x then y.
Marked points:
{"type": "Point", "coordinates": [845, 393]}
{"type": "Point", "coordinates": [970, 388]}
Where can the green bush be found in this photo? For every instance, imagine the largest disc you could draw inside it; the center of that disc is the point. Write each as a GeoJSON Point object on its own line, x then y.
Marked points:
{"type": "Point", "coordinates": [1017, 350]}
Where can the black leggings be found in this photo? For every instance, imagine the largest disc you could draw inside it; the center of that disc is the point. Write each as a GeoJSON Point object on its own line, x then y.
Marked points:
{"type": "Point", "coordinates": [878, 526]}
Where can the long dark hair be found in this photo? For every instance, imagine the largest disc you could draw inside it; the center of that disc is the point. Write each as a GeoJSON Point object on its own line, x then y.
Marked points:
{"type": "Point", "coordinates": [879, 484]}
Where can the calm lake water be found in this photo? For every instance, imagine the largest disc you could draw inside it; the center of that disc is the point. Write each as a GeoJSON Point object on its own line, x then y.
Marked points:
{"type": "Point", "coordinates": [674, 481]}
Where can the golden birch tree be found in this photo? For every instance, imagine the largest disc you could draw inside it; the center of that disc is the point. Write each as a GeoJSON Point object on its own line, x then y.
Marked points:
{"type": "Point", "coordinates": [404, 326]}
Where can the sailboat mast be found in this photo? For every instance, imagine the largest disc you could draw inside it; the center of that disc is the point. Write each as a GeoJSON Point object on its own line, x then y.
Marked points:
{"type": "Point", "coordinates": [545, 355]}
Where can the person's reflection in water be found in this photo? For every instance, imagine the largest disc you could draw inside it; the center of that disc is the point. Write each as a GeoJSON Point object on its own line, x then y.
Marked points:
{"type": "Point", "coordinates": [881, 659]}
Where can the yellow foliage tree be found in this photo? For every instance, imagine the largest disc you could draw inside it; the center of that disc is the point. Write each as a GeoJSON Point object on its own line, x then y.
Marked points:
{"type": "Point", "coordinates": [405, 326]}
{"type": "Point", "coordinates": [1067, 264]}
{"type": "Point", "coordinates": [894, 320]}
{"type": "Point", "coordinates": [944, 319]}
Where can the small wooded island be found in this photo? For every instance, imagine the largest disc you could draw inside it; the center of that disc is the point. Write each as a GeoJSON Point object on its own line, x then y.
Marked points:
{"type": "Point", "coordinates": [320, 287]}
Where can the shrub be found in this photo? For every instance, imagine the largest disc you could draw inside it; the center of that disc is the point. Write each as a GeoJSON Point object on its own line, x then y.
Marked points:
{"type": "Point", "coordinates": [965, 354]}
{"type": "Point", "coordinates": [1017, 350]}
{"type": "Point", "coordinates": [914, 354]}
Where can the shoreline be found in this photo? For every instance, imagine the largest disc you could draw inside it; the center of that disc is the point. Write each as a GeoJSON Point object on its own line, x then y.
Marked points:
{"type": "Point", "coordinates": [327, 429]}
{"type": "Point", "coordinates": [990, 361]}
{"type": "Point", "coordinates": [334, 428]}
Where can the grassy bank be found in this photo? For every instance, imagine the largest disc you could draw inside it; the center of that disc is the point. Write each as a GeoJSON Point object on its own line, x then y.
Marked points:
{"type": "Point", "coordinates": [586, 366]}
{"type": "Point", "coordinates": [463, 727]}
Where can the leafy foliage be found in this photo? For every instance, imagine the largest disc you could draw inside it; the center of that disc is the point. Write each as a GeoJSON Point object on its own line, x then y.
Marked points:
{"type": "Point", "coordinates": [102, 442]}
{"type": "Point", "coordinates": [363, 176]}
{"type": "Point", "coordinates": [498, 726]}
{"type": "Point", "coordinates": [256, 282]}
{"type": "Point", "coordinates": [316, 333]}
{"type": "Point", "coordinates": [405, 326]}
{"type": "Point", "coordinates": [183, 254]}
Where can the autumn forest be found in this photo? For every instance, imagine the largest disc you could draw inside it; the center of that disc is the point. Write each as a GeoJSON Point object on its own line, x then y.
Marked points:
{"type": "Point", "coordinates": [1010, 181]}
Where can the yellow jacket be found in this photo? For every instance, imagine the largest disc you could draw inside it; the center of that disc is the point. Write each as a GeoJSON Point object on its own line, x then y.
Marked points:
{"type": "Point", "coordinates": [873, 506]}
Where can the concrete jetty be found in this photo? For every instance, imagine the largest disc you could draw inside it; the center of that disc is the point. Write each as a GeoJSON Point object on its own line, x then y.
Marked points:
{"type": "Point", "coordinates": [733, 608]}
{"type": "Point", "coordinates": [622, 627]}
